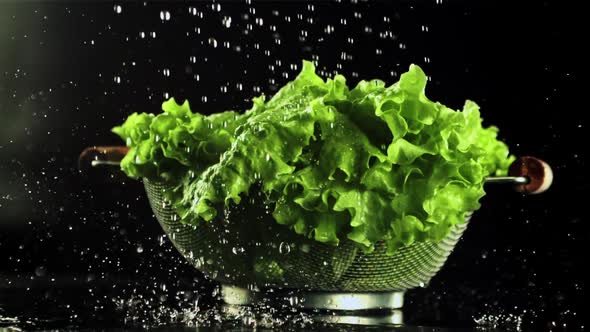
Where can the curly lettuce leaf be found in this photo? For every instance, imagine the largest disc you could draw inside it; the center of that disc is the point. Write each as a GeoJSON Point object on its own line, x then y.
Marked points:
{"type": "Point", "coordinates": [369, 164]}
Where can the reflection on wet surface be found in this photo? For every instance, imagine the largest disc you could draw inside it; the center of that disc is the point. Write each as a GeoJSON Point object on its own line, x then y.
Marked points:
{"type": "Point", "coordinates": [65, 302]}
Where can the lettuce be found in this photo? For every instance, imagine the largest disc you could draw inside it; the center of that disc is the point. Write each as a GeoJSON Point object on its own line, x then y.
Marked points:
{"type": "Point", "coordinates": [375, 163]}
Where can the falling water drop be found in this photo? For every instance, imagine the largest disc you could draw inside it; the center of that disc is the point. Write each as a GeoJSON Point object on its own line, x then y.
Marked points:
{"type": "Point", "coordinates": [226, 21]}
{"type": "Point", "coordinates": [165, 15]}
{"type": "Point", "coordinates": [284, 248]}
{"type": "Point", "coordinates": [40, 271]}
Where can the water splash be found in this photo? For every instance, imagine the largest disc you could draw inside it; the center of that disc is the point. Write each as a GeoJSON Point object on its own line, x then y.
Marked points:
{"type": "Point", "coordinates": [148, 312]}
{"type": "Point", "coordinates": [504, 322]}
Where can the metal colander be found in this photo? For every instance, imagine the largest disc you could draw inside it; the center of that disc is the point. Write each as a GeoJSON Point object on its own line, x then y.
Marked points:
{"type": "Point", "coordinates": [264, 254]}
{"type": "Point", "coordinates": [256, 260]}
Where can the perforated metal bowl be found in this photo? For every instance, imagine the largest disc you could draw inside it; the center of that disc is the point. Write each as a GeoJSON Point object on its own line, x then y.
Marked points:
{"type": "Point", "coordinates": [263, 254]}
{"type": "Point", "coordinates": [259, 261]}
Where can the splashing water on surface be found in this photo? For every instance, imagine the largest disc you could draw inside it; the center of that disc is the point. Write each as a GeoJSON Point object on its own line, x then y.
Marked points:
{"type": "Point", "coordinates": [505, 322]}
{"type": "Point", "coordinates": [139, 312]}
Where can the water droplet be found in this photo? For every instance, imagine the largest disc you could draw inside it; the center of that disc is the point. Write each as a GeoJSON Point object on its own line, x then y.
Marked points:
{"type": "Point", "coordinates": [199, 262]}
{"type": "Point", "coordinates": [166, 72]}
{"type": "Point", "coordinates": [153, 34]}
{"type": "Point", "coordinates": [226, 21]}
{"type": "Point", "coordinates": [165, 15]}
{"type": "Point", "coordinates": [117, 79]}
{"type": "Point", "coordinates": [284, 248]}
{"type": "Point", "coordinates": [237, 250]}
{"type": "Point", "coordinates": [212, 42]}
{"type": "Point", "coordinates": [139, 249]}
{"type": "Point", "coordinates": [294, 300]}
{"type": "Point", "coordinates": [118, 9]}
{"type": "Point", "coordinates": [40, 271]}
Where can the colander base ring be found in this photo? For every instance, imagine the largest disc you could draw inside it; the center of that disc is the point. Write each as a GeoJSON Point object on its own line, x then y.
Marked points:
{"type": "Point", "coordinates": [389, 318]}
{"type": "Point", "coordinates": [315, 300]}
{"type": "Point", "coordinates": [255, 256]}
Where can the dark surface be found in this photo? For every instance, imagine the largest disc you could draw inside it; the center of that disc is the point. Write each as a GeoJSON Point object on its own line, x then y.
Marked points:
{"type": "Point", "coordinates": [71, 71]}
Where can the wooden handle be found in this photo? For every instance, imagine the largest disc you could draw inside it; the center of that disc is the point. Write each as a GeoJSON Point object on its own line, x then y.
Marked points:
{"type": "Point", "coordinates": [536, 170]}
{"type": "Point", "coordinates": [101, 155]}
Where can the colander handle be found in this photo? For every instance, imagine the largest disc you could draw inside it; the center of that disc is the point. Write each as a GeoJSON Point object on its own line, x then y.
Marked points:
{"type": "Point", "coordinates": [528, 174]}
{"type": "Point", "coordinates": [538, 175]}
{"type": "Point", "coordinates": [95, 156]}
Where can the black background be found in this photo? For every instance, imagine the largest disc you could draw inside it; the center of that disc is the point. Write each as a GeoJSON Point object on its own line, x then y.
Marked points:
{"type": "Point", "coordinates": [71, 71]}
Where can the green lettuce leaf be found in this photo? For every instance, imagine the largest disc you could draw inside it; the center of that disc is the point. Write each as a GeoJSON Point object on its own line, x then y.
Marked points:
{"type": "Point", "coordinates": [368, 164]}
